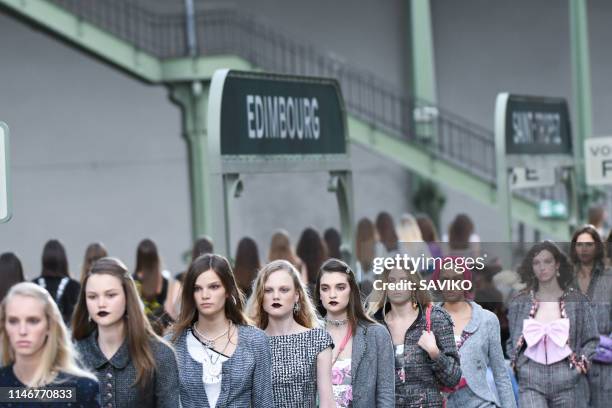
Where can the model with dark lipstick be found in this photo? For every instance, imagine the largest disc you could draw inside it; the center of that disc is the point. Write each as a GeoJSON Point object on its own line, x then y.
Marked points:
{"type": "Point", "coordinates": [426, 356]}
{"type": "Point", "coordinates": [224, 361]}
{"type": "Point", "coordinates": [135, 367]}
{"type": "Point", "coordinates": [363, 362]}
{"type": "Point", "coordinates": [301, 351]}
{"type": "Point", "coordinates": [37, 352]}
{"type": "Point", "coordinates": [553, 333]}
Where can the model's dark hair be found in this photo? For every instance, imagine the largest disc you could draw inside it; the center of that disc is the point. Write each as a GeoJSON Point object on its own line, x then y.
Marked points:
{"type": "Point", "coordinates": [599, 247]}
{"type": "Point", "coordinates": [312, 250]}
{"type": "Point", "coordinates": [459, 232]}
{"type": "Point", "coordinates": [333, 241]}
{"type": "Point", "coordinates": [54, 260]}
{"type": "Point", "coordinates": [355, 311]}
{"type": "Point", "coordinates": [148, 268]}
{"type": "Point", "coordinates": [427, 227]}
{"type": "Point", "coordinates": [93, 252]}
{"type": "Point", "coordinates": [386, 231]}
{"type": "Point", "coordinates": [246, 264]}
{"type": "Point", "coordinates": [11, 272]}
{"type": "Point", "coordinates": [525, 270]}
{"type": "Point", "coordinates": [365, 243]}
{"type": "Point", "coordinates": [234, 303]}
{"type": "Point", "coordinates": [201, 246]}
{"type": "Point", "coordinates": [139, 332]}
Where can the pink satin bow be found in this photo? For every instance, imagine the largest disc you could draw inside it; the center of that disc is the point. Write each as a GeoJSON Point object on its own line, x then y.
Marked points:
{"type": "Point", "coordinates": [546, 342]}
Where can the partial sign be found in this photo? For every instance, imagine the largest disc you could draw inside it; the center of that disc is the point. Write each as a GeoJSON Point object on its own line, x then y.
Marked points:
{"type": "Point", "coordinates": [598, 160]}
{"type": "Point", "coordinates": [523, 177]}
{"type": "Point", "coordinates": [5, 204]}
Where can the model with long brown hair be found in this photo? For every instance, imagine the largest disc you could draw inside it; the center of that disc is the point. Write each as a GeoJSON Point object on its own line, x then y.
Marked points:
{"type": "Point", "coordinates": [280, 305]}
{"type": "Point", "coordinates": [224, 361]}
{"type": "Point", "coordinates": [363, 360]}
{"type": "Point", "coordinates": [134, 365]}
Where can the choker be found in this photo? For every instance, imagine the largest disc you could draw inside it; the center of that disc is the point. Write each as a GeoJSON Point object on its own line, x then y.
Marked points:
{"type": "Point", "coordinates": [336, 323]}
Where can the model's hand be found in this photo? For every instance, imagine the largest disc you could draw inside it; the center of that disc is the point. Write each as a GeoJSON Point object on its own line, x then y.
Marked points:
{"type": "Point", "coordinates": [428, 343]}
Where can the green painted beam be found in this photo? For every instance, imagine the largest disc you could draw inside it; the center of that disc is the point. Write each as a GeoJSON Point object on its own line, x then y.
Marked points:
{"type": "Point", "coordinates": [88, 37]}
{"type": "Point", "coordinates": [427, 166]}
{"type": "Point", "coordinates": [200, 69]}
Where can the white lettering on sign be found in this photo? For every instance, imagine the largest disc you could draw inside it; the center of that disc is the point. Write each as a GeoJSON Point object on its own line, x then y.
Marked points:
{"type": "Point", "coordinates": [598, 160]}
{"type": "Point", "coordinates": [278, 117]}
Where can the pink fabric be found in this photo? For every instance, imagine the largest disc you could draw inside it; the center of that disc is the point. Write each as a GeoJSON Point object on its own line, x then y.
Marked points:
{"type": "Point", "coordinates": [547, 342]}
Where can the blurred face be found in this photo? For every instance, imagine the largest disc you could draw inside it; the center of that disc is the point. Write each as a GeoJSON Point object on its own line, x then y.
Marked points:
{"type": "Point", "coordinates": [398, 296]}
{"type": "Point", "coordinates": [335, 292]}
{"type": "Point", "coordinates": [452, 295]}
{"type": "Point", "coordinates": [26, 325]}
{"type": "Point", "coordinates": [585, 248]}
{"type": "Point", "coordinates": [105, 299]}
{"type": "Point", "coordinates": [280, 294]}
{"type": "Point", "coordinates": [209, 294]}
{"type": "Point", "coordinates": [544, 266]}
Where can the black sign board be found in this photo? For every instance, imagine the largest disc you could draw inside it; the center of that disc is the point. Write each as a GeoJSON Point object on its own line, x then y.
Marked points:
{"type": "Point", "coordinates": [269, 114]}
{"type": "Point", "coordinates": [537, 125]}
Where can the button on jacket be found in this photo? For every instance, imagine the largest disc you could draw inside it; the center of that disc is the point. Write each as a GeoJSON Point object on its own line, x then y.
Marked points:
{"type": "Point", "coordinates": [117, 376]}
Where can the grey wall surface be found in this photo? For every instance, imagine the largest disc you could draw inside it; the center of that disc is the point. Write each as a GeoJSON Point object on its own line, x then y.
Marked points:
{"type": "Point", "coordinates": [97, 156]}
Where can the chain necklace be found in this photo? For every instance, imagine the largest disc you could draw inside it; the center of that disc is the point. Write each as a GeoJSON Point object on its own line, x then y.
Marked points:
{"type": "Point", "coordinates": [336, 323]}
{"type": "Point", "coordinates": [210, 343]}
{"type": "Point", "coordinates": [212, 368]}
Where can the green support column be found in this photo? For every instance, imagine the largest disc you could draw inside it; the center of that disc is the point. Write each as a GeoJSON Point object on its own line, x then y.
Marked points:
{"type": "Point", "coordinates": [422, 51]}
{"type": "Point", "coordinates": [422, 75]}
{"type": "Point", "coordinates": [581, 86]}
{"type": "Point", "coordinates": [192, 99]}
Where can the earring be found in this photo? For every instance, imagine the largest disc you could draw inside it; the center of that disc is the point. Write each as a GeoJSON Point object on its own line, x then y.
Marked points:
{"type": "Point", "coordinates": [234, 300]}
{"type": "Point", "coordinates": [89, 319]}
{"type": "Point", "coordinates": [558, 273]}
{"type": "Point", "coordinates": [296, 307]}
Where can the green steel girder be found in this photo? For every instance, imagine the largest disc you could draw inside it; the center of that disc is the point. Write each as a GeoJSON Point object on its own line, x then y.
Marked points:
{"type": "Point", "coordinates": [125, 56]}
{"type": "Point", "coordinates": [426, 165]}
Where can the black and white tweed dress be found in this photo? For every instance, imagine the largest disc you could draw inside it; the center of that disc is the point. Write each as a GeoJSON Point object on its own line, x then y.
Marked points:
{"type": "Point", "coordinates": [294, 367]}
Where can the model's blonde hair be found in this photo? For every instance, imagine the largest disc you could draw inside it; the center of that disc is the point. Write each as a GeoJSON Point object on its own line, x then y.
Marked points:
{"type": "Point", "coordinates": [58, 353]}
{"type": "Point", "coordinates": [305, 316]}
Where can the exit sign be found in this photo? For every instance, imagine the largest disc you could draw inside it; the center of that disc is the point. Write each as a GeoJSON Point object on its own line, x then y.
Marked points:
{"type": "Point", "coordinates": [552, 209]}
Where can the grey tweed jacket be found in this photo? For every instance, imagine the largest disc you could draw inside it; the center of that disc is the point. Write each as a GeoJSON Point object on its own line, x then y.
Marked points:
{"type": "Point", "coordinates": [372, 359]}
{"type": "Point", "coordinates": [480, 350]}
{"type": "Point", "coordinates": [583, 336]}
{"type": "Point", "coordinates": [246, 377]}
{"type": "Point", "coordinates": [117, 375]}
{"type": "Point", "coordinates": [424, 375]}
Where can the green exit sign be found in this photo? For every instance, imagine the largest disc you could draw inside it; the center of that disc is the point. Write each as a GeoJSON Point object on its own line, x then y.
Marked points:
{"type": "Point", "coordinates": [552, 209]}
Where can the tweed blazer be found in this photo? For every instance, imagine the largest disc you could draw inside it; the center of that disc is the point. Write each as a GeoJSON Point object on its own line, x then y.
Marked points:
{"type": "Point", "coordinates": [483, 349]}
{"type": "Point", "coordinates": [117, 375]}
{"type": "Point", "coordinates": [583, 335]}
{"type": "Point", "coordinates": [372, 358]}
{"type": "Point", "coordinates": [423, 374]}
{"type": "Point", "coordinates": [599, 293]}
{"type": "Point", "coordinates": [246, 376]}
